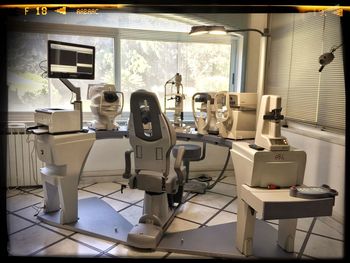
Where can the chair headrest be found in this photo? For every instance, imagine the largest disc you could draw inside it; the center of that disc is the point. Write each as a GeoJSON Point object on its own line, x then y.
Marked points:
{"type": "Point", "coordinates": [145, 108]}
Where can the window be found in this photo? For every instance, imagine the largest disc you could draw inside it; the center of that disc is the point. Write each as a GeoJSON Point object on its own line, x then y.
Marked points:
{"type": "Point", "coordinates": [308, 96]}
{"type": "Point", "coordinates": [127, 57]}
{"type": "Point", "coordinates": [28, 87]}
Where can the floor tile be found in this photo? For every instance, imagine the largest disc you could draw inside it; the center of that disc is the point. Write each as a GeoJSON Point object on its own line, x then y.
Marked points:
{"type": "Point", "coordinates": [196, 213]}
{"type": "Point", "coordinates": [23, 242]}
{"type": "Point", "coordinates": [212, 199]}
{"type": "Point", "coordinates": [22, 200]}
{"type": "Point", "coordinates": [125, 251]}
{"type": "Point", "coordinates": [83, 184]}
{"type": "Point", "coordinates": [84, 194]}
{"type": "Point", "coordinates": [103, 188]}
{"type": "Point", "coordinates": [306, 257]}
{"type": "Point", "coordinates": [68, 248]}
{"type": "Point", "coordinates": [39, 191]}
{"type": "Point", "coordinates": [30, 213]}
{"type": "Point", "coordinates": [232, 207]}
{"type": "Point", "coordinates": [331, 222]}
{"type": "Point", "coordinates": [140, 203]}
{"type": "Point", "coordinates": [222, 218]}
{"type": "Point", "coordinates": [60, 230]}
{"type": "Point", "coordinates": [186, 256]}
{"type": "Point", "coordinates": [132, 214]}
{"type": "Point", "coordinates": [12, 192]}
{"type": "Point", "coordinates": [93, 241]}
{"type": "Point", "coordinates": [179, 224]}
{"type": "Point", "coordinates": [15, 223]}
{"type": "Point", "coordinates": [188, 196]}
{"type": "Point", "coordinates": [231, 179]}
{"type": "Point", "coordinates": [319, 228]}
{"type": "Point", "coordinates": [129, 195]}
{"type": "Point", "coordinates": [117, 205]}
{"type": "Point", "coordinates": [120, 180]}
{"type": "Point", "coordinates": [319, 247]}
{"type": "Point", "coordinates": [105, 255]}
{"type": "Point", "coordinates": [225, 189]}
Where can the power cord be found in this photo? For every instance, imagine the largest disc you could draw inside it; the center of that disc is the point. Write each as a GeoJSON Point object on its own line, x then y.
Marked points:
{"type": "Point", "coordinates": [222, 171]}
{"type": "Point", "coordinates": [44, 69]}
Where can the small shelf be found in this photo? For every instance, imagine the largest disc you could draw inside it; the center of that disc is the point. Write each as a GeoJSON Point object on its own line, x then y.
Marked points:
{"type": "Point", "coordinates": [278, 204]}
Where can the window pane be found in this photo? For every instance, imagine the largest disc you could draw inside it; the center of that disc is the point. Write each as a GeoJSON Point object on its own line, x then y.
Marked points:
{"type": "Point", "coordinates": [27, 83]}
{"type": "Point", "coordinates": [149, 64]}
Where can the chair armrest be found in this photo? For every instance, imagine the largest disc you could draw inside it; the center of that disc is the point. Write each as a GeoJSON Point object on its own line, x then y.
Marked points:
{"type": "Point", "coordinates": [203, 151]}
{"type": "Point", "coordinates": [178, 161]}
{"type": "Point", "coordinates": [127, 173]}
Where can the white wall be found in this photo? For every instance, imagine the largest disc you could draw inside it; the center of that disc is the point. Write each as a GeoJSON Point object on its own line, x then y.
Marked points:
{"type": "Point", "coordinates": [325, 164]}
{"type": "Point", "coordinates": [257, 21]}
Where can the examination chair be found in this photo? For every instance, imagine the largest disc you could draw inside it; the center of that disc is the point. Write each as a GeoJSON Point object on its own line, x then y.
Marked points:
{"type": "Point", "coordinates": [152, 138]}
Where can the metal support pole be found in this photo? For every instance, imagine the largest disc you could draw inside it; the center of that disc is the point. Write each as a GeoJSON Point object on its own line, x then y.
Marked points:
{"type": "Point", "coordinates": [77, 104]}
{"type": "Point", "coordinates": [261, 72]}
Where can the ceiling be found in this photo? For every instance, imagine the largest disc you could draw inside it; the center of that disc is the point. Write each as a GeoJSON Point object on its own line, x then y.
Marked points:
{"type": "Point", "coordinates": [229, 20]}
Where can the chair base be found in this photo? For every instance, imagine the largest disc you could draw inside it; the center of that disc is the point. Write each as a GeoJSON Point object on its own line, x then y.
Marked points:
{"type": "Point", "coordinates": [145, 236]}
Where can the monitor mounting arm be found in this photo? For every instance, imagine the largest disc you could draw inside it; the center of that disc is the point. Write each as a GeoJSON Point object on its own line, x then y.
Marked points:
{"type": "Point", "coordinates": [77, 103]}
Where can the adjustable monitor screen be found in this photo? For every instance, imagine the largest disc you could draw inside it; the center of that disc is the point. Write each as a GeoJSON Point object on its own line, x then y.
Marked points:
{"type": "Point", "coordinates": [70, 61]}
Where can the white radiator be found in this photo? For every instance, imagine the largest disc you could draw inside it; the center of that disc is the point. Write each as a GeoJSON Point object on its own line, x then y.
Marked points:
{"type": "Point", "coordinates": [23, 165]}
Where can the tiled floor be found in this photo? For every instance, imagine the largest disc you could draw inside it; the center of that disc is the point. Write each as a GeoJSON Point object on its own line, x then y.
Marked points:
{"type": "Point", "coordinates": [30, 237]}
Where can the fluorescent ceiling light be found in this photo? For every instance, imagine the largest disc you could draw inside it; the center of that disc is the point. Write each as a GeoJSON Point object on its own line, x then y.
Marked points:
{"type": "Point", "coordinates": [199, 30]}
{"type": "Point", "coordinates": [220, 30]}
{"type": "Point", "coordinates": [214, 30]}
{"type": "Point", "coordinates": [217, 30]}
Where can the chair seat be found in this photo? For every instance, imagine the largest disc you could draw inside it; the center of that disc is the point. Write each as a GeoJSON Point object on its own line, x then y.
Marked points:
{"type": "Point", "coordinates": [151, 181]}
{"type": "Point", "coordinates": [192, 152]}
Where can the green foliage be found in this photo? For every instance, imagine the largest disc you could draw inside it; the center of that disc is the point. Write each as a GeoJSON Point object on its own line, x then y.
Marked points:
{"type": "Point", "coordinates": [154, 62]}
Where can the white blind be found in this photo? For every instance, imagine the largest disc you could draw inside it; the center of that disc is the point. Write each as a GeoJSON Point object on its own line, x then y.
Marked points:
{"type": "Point", "coordinates": [331, 111]}
{"type": "Point", "coordinates": [304, 76]}
{"type": "Point", "coordinates": [280, 50]}
{"type": "Point", "coordinates": [297, 41]}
